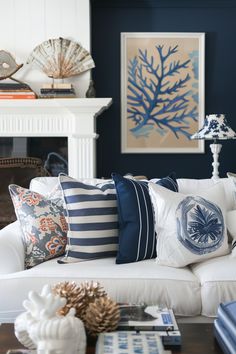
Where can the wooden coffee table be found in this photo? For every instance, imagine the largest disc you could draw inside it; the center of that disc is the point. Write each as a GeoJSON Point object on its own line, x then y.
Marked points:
{"type": "Point", "coordinates": [196, 339]}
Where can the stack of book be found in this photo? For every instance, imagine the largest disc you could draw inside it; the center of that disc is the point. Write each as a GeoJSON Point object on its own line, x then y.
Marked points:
{"type": "Point", "coordinates": [124, 342]}
{"type": "Point", "coordinates": [57, 91]}
{"type": "Point", "coordinates": [15, 90]}
{"type": "Point", "coordinates": [143, 318]}
{"type": "Point", "coordinates": [225, 327]}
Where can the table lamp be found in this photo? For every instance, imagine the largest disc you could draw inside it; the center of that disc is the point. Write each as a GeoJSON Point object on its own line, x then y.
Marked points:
{"type": "Point", "coordinates": [215, 128]}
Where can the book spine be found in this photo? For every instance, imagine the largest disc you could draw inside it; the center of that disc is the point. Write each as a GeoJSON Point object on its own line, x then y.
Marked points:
{"type": "Point", "coordinates": [226, 320]}
{"type": "Point", "coordinates": [59, 91]}
{"type": "Point", "coordinates": [225, 341]}
{"type": "Point", "coordinates": [55, 96]}
{"type": "Point", "coordinates": [14, 87]}
{"type": "Point", "coordinates": [171, 339]}
{"type": "Point", "coordinates": [15, 96]}
{"type": "Point", "coordinates": [151, 328]}
{"type": "Point", "coordinates": [57, 86]}
{"type": "Point", "coordinates": [15, 91]}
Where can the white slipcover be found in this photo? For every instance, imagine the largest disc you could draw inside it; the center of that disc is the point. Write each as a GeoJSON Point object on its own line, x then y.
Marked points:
{"type": "Point", "coordinates": [190, 291]}
{"type": "Point", "coordinates": [218, 282]}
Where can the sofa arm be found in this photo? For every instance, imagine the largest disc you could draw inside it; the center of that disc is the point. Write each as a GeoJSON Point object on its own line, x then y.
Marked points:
{"type": "Point", "coordinates": [11, 249]}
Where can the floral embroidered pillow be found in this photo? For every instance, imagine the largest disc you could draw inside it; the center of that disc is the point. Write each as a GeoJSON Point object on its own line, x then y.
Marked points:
{"type": "Point", "coordinates": [43, 225]}
{"type": "Point", "coordinates": [189, 228]}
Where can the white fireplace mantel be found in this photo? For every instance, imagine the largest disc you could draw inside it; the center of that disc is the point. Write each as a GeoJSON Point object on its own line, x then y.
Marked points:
{"type": "Point", "coordinates": [71, 118]}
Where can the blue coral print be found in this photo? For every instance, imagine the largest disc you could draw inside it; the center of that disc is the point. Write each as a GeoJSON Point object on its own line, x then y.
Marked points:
{"type": "Point", "coordinates": [200, 225]}
{"type": "Point", "coordinates": [162, 92]}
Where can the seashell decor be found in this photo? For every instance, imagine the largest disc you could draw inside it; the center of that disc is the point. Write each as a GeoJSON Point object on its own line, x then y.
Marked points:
{"type": "Point", "coordinates": [60, 58]}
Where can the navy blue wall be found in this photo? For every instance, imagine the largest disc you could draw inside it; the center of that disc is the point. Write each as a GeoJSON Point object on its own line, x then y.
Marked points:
{"type": "Point", "coordinates": [218, 20]}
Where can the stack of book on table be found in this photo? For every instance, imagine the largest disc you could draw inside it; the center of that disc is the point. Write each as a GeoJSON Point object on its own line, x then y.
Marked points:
{"type": "Point", "coordinates": [123, 342]}
{"type": "Point", "coordinates": [225, 327]}
{"type": "Point", "coordinates": [151, 318]}
{"type": "Point", "coordinates": [63, 90]}
{"type": "Point", "coordinates": [15, 90]}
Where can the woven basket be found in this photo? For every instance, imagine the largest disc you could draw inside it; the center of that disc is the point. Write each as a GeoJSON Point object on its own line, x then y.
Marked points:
{"type": "Point", "coordinates": [16, 170]}
{"type": "Point", "coordinates": [24, 162]}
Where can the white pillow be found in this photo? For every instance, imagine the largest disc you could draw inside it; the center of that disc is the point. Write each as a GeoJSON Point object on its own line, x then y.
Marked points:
{"type": "Point", "coordinates": [231, 226]}
{"type": "Point", "coordinates": [232, 177]}
{"type": "Point", "coordinates": [179, 218]}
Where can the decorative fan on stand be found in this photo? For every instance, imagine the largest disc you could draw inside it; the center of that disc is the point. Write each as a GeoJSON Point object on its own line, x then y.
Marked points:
{"type": "Point", "coordinates": [60, 58]}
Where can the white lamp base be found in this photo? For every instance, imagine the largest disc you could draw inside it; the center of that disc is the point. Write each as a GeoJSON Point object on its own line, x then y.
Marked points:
{"type": "Point", "coordinates": [215, 149]}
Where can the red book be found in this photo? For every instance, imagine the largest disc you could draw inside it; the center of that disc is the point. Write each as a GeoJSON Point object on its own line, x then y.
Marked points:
{"type": "Point", "coordinates": [5, 96]}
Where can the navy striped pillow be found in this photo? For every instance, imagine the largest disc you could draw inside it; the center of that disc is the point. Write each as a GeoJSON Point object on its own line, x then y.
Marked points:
{"type": "Point", "coordinates": [92, 220]}
{"type": "Point", "coordinates": [137, 239]}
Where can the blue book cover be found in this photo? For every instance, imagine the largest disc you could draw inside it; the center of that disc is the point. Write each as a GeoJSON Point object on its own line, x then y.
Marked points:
{"type": "Point", "coordinates": [227, 344]}
{"type": "Point", "coordinates": [227, 315]}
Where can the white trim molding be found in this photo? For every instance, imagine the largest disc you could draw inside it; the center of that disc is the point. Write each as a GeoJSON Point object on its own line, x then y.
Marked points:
{"type": "Point", "coordinates": [71, 118]}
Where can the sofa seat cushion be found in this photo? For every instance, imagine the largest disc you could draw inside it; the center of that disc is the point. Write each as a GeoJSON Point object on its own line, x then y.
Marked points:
{"type": "Point", "coordinates": [218, 282]}
{"type": "Point", "coordinates": [140, 282]}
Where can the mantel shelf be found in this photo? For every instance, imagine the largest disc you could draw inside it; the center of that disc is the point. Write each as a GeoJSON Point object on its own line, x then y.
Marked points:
{"type": "Point", "coordinates": [74, 105]}
{"type": "Point", "coordinates": [73, 118]}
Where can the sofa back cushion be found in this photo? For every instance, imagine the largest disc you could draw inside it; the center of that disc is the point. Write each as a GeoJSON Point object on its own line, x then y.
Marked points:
{"type": "Point", "coordinates": [231, 226]}
{"type": "Point", "coordinates": [45, 185]}
{"type": "Point", "coordinates": [192, 186]}
{"type": "Point", "coordinates": [92, 220]}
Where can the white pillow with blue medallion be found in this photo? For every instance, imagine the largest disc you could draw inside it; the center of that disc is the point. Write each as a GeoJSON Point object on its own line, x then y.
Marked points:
{"type": "Point", "coordinates": [189, 228]}
{"type": "Point", "coordinates": [92, 220]}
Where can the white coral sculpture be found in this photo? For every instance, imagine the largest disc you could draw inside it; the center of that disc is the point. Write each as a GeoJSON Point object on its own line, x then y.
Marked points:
{"type": "Point", "coordinates": [44, 305]}
{"type": "Point", "coordinates": [41, 327]}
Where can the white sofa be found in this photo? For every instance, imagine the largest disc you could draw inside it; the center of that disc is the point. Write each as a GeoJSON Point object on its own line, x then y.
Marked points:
{"type": "Point", "coordinates": [191, 291]}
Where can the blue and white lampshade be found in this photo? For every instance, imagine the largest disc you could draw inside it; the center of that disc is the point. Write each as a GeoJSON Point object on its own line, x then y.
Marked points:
{"type": "Point", "coordinates": [215, 128]}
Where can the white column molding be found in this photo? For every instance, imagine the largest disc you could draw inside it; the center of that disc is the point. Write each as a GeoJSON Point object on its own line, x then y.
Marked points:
{"type": "Point", "coordinates": [71, 118]}
{"type": "Point", "coordinates": [82, 150]}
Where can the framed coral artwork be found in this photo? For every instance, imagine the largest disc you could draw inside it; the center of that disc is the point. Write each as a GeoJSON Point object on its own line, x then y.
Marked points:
{"type": "Point", "coordinates": [162, 92]}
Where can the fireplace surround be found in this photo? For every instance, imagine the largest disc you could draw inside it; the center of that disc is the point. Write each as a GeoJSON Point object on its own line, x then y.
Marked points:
{"type": "Point", "coordinates": [71, 118]}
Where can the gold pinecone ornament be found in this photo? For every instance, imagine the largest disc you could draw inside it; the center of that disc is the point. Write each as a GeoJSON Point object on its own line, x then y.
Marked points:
{"type": "Point", "coordinates": [102, 315]}
{"type": "Point", "coordinates": [74, 295]}
{"type": "Point", "coordinates": [78, 296]}
{"type": "Point", "coordinates": [93, 290]}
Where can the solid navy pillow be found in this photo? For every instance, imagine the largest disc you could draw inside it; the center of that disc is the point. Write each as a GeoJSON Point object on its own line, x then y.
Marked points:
{"type": "Point", "coordinates": [137, 239]}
